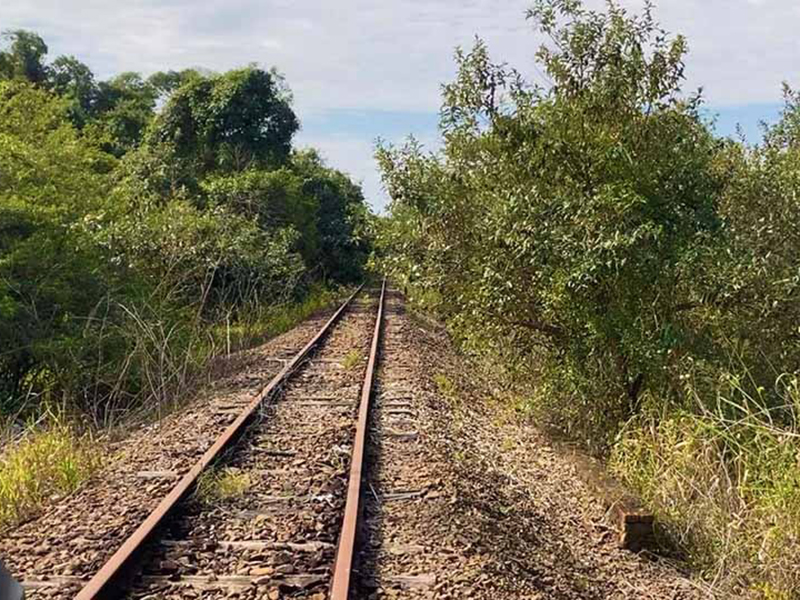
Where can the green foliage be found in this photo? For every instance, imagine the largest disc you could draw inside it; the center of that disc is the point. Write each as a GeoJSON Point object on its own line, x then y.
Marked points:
{"type": "Point", "coordinates": [127, 237]}
{"type": "Point", "coordinates": [274, 199]}
{"type": "Point", "coordinates": [73, 80]}
{"type": "Point", "coordinates": [755, 283]}
{"type": "Point", "coordinates": [597, 241]}
{"type": "Point", "coordinates": [565, 219]}
{"type": "Point", "coordinates": [49, 270]}
{"type": "Point", "coordinates": [116, 112]}
{"type": "Point", "coordinates": [342, 220]}
{"type": "Point", "coordinates": [225, 123]}
{"type": "Point", "coordinates": [24, 60]}
{"type": "Point", "coordinates": [120, 113]}
{"type": "Point", "coordinates": [166, 82]}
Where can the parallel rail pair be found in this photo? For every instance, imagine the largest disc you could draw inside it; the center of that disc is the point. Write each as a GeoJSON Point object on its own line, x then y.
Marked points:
{"type": "Point", "coordinates": [109, 581]}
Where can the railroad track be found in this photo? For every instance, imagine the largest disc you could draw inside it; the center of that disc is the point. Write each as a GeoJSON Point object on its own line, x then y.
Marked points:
{"type": "Point", "coordinates": [271, 509]}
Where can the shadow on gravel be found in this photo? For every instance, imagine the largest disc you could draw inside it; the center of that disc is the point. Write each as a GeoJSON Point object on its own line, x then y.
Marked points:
{"type": "Point", "coordinates": [9, 589]}
{"type": "Point", "coordinates": [520, 551]}
{"type": "Point", "coordinates": [371, 527]}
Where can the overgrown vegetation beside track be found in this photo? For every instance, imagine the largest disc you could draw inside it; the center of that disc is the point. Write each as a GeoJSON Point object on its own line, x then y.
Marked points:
{"type": "Point", "coordinates": [48, 459]}
{"type": "Point", "coordinates": [147, 226]}
{"type": "Point", "coordinates": [131, 236]}
{"type": "Point", "coordinates": [640, 275]}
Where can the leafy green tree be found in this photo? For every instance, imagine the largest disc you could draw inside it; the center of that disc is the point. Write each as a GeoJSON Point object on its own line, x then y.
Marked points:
{"type": "Point", "coordinates": [342, 224]}
{"type": "Point", "coordinates": [751, 285]}
{"type": "Point", "coordinates": [106, 263]}
{"type": "Point", "coordinates": [321, 204]}
{"type": "Point", "coordinates": [567, 220]}
{"type": "Point", "coordinates": [166, 82]}
{"type": "Point", "coordinates": [274, 199]}
{"type": "Point", "coordinates": [70, 78]}
{"type": "Point", "coordinates": [24, 59]}
{"type": "Point", "coordinates": [226, 123]}
{"type": "Point", "coordinates": [121, 112]}
{"type": "Point", "coordinates": [51, 275]}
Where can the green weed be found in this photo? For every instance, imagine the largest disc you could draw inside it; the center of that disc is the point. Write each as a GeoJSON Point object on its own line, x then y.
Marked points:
{"type": "Point", "coordinates": [217, 485]}
{"type": "Point", "coordinates": [353, 359]}
{"type": "Point", "coordinates": [446, 387]}
{"type": "Point", "coordinates": [50, 460]}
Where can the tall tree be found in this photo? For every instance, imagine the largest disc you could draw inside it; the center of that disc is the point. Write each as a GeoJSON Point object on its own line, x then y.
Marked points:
{"type": "Point", "coordinates": [227, 122]}
{"type": "Point", "coordinates": [71, 79]}
{"type": "Point", "coordinates": [123, 108]}
{"type": "Point", "coordinates": [166, 82]}
{"type": "Point", "coordinates": [25, 57]}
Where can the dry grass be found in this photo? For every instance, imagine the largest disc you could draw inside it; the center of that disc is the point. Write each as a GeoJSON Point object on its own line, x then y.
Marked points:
{"type": "Point", "coordinates": [727, 484]}
{"type": "Point", "coordinates": [218, 485]}
{"type": "Point", "coordinates": [47, 461]}
{"type": "Point", "coordinates": [265, 322]}
{"type": "Point", "coordinates": [172, 362]}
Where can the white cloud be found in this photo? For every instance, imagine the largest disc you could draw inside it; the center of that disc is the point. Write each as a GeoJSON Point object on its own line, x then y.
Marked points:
{"type": "Point", "coordinates": [740, 51]}
{"type": "Point", "coordinates": [350, 54]}
{"type": "Point", "coordinates": [353, 155]}
{"type": "Point", "coordinates": [391, 55]}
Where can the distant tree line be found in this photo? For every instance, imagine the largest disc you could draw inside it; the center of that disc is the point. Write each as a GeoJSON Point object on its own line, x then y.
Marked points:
{"type": "Point", "coordinates": [137, 214]}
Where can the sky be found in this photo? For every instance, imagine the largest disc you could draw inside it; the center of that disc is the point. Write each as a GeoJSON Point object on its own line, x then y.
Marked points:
{"type": "Point", "coordinates": [362, 70]}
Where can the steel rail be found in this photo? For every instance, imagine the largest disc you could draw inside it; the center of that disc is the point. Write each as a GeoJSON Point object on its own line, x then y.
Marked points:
{"type": "Point", "coordinates": [340, 586]}
{"type": "Point", "coordinates": [105, 583]}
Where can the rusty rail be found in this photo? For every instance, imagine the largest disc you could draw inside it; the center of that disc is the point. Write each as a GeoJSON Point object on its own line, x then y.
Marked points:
{"type": "Point", "coordinates": [340, 586]}
{"type": "Point", "coordinates": [105, 583]}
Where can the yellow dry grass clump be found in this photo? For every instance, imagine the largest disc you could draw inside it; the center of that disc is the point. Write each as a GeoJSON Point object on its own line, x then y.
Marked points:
{"type": "Point", "coordinates": [47, 461]}
{"type": "Point", "coordinates": [217, 485]}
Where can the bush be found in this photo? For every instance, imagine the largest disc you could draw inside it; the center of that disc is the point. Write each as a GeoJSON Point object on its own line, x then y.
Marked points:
{"type": "Point", "coordinates": [115, 273]}
{"type": "Point", "coordinates": [49, 459]}
{"type": "Point", "coordinates": [725, 480]}
{"type": "Point", "coordinates": [598, 243]}
{"type": "Point", "coordinates": [573, 215]}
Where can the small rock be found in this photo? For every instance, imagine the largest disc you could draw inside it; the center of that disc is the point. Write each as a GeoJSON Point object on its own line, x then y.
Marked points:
{"type": "Point", "coordinates": [168, 566]}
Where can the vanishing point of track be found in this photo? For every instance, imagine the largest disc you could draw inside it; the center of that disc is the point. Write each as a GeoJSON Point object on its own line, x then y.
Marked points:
{"type": "Point", "coordinates": [122, 571]}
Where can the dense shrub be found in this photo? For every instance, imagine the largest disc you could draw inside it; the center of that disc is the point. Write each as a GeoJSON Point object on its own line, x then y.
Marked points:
{"type": "Point", "coordinates": [638, 274]}
{"type": "Point", "coordinates": [127, 235]}
{"type": "Point", "coordinates": [50, 273]}
{"type": "Point", "coordinates": [571, 215]}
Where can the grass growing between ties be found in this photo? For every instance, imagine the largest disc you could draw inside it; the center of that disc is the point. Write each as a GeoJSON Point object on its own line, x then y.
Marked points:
{"type": "Point", "coordinates": [352, 359]}
{"type": "Point", "coordinates": [49, 460]}
{"type": "Point", "coordinates": [447, 388]}
{"type": "Point", "coordinates": [219, 485]}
